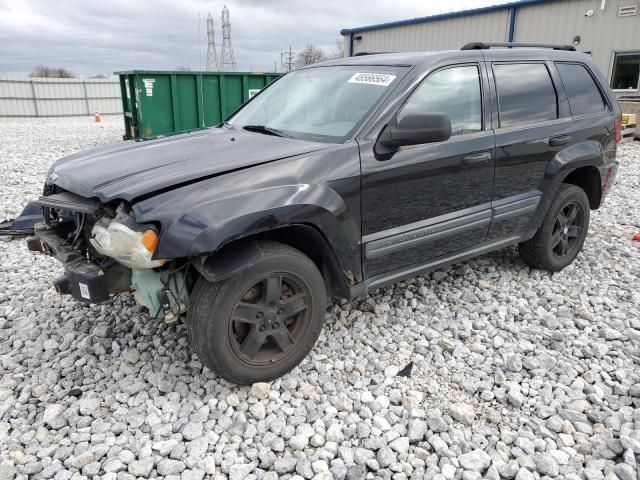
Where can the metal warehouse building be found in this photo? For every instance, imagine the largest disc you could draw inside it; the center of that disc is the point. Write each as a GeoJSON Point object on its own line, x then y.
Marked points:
{"type": "Point", "coordinates": [608, 29]}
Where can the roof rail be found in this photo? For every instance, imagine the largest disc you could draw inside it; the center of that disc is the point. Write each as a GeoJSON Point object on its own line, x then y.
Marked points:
{"type": "Point", "coordinates": [486, 46]}
{"type": "Point", "coordinates": [362, 54]}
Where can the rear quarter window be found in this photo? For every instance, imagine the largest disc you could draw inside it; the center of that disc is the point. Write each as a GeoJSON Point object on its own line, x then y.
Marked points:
{"type": "Point", "coordinates": [585, 98]}
{"type": "Point", "coordinates": [525, 93]}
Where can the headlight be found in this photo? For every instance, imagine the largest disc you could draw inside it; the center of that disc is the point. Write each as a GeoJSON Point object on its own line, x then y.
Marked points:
{"type": "Point", "coordinates": [129, 247]}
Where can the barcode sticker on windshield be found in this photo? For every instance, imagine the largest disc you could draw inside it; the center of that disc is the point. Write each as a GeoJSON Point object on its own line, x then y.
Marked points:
{"type": "Point", "coordinates": [381, 79]}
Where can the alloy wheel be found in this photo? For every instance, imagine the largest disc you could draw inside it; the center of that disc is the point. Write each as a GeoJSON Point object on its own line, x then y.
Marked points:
{"type": "Point", "coordinates": [269, 319]}
{"type": "Point", "coordinates": [567, 230]}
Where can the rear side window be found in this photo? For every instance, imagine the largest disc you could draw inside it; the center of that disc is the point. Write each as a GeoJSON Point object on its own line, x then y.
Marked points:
{"type": "Point", "coordinates": [584, 96]}
{"type": "Point", "coordinates": [525, 94]}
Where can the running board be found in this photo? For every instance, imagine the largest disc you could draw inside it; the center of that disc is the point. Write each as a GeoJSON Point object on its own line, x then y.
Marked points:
{"type": "Point", "coordinates": [362, 289]}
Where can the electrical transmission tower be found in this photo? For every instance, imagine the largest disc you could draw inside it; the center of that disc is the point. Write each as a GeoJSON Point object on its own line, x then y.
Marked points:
{"type": "Point", "coordinates": [286, 60]}
{"type": "Point", "coordinates": [212, 53]}
{"type": "Point", "coordinates": [227, 58]}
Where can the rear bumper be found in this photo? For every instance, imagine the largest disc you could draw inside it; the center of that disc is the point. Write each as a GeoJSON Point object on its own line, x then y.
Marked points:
{"type": "Point", "coordinates": [83, 279]}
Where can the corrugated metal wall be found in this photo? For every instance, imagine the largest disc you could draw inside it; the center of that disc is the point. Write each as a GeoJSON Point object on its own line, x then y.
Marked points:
{"type": "Point", "coordinates": [601, 33]}
{"type": "Point", "coordinates": [53, 97]}
{"type": "Point", "coordinates": [444, 34]}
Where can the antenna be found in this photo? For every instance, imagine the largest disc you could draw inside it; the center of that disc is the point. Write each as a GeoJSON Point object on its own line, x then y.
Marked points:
{"type": "Point", "coordinates": [212, 53]}
{"type": "Point", "coordinates": [227, 58]}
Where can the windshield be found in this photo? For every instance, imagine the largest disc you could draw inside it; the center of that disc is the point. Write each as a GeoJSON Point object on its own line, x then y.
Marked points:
{"type": "Point", "coordinates": [321, 104]}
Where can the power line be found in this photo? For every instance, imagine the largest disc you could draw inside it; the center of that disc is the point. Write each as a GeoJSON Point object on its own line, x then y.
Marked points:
{"type": "Point", "coordinates": [227, 58]}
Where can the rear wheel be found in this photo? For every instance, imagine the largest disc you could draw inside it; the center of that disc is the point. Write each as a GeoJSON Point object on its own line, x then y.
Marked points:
{"type": "Point", "coordinates": [259, 324]}
{"type": "Point", "coordinates": [560, 238]}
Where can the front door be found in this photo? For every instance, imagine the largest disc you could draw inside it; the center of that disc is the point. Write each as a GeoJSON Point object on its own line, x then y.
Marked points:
{"type": "Point", "coordinates": [426, 201]}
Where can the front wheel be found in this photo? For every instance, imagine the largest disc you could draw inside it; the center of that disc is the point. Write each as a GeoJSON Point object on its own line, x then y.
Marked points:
{"type": "Point", "coordinates": [261, 323]}
{"type": "Point", "coordinates": [560, 238]}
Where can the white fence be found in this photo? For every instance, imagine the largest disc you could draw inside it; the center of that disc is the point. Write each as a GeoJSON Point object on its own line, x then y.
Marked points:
{"type": "Point", "coordinates": [59, 97]}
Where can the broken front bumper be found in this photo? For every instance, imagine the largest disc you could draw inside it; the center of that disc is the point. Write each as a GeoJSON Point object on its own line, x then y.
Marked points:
{"type": "Point", "coordinates": [85, 280]}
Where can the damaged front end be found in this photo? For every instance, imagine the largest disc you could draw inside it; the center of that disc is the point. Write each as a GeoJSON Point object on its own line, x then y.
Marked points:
{"type": "Point", "coordinates": [105, 252]}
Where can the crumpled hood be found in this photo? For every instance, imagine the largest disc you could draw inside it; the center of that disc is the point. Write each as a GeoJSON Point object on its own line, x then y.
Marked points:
{"type": "Point", "coordinates": [131, 169]}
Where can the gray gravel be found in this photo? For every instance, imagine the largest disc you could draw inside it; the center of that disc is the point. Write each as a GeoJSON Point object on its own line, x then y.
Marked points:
{"type": "Point", "coordinates": [516, 373]}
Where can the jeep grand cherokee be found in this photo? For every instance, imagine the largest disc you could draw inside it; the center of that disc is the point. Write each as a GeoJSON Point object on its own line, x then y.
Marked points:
{"type": "Point", "coordinates": [335, 180]}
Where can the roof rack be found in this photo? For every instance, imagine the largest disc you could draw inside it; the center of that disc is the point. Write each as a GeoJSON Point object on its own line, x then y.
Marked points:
{"type": "Point", "coordinates": [362, 54]}
{"type": "Point", "coordinates": [486, 46]}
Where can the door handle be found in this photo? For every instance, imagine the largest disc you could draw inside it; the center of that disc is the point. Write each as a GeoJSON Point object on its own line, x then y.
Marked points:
{"type": "Point", "coordinates": [560, 140]}
{"type": "Point", "coordinates": [476, 158]}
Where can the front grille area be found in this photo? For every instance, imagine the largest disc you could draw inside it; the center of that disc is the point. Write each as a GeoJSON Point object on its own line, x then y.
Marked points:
{"type": "Point", "coordinates": [72, 217]}
{"type": "Point", "coordinates": [68, 220]}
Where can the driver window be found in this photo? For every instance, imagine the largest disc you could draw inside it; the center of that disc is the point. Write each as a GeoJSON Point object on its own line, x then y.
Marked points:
{"type": "Point", "coordinates": [454, 91]}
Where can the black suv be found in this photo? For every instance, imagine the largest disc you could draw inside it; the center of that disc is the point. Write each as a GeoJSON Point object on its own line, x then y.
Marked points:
{"type": "Point", "coordinates": [335, 180]}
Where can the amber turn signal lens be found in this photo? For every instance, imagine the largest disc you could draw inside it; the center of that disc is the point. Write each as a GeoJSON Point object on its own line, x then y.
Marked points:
{"type": "Point", "coordinates": [150, 240]}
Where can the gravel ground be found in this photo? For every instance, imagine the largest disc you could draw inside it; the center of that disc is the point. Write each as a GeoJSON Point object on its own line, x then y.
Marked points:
{"type": "Point", "coordinates": [516, 373]}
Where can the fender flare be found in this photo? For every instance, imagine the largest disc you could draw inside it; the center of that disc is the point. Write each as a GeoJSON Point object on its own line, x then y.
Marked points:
{"type": "Point", "coordinates": [582, 154]}
{"type": "Point", "coordinates": [239, 255]}
{"type": "Point", "coordinates": [228, 261]}
{"type": "Point", "coordinates": [589, 153]}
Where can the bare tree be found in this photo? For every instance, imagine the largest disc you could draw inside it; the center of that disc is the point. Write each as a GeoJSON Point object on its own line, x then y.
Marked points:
{"type": "Point", "coordinates": [51, 72]}
{"type": "Point", "coordinates": [99, 75]}
{"type": "Point", "coordinates": [310, 55]}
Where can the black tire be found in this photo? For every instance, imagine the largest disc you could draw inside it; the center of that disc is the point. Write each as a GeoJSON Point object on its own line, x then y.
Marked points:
{"type": "Point", "coordinates": [557, 242]}
{"type": "Point", "coordinates": [226, 320]}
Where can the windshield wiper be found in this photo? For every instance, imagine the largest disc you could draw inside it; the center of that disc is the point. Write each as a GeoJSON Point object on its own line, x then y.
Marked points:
{"type": "Point", "coordinates": [266, 130]}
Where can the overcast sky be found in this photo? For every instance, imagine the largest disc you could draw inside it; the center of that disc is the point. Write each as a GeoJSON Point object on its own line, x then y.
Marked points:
{"type": "Point", "coordinates": [103, 36]}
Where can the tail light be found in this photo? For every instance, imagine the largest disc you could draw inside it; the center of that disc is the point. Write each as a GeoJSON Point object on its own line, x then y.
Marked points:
{"type": "Point", "coordinates": [618, 129]}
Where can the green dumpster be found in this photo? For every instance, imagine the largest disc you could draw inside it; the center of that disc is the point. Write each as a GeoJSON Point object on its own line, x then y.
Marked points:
{"type": "Point", "coordinates": [159, 103]}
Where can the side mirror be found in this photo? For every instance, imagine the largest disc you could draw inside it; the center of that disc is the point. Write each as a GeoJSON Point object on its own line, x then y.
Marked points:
{"type": "Point", "coordinates": [416, 129]}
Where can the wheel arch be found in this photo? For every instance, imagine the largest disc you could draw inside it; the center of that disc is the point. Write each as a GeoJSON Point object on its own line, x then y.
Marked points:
{"type": "Point", "coordinates": [588, 179]}
{"type": "Point", "coordinates": [310, 241]}
{"type": "Point", "coordinates": [578, 165]}
{"type": "Point", "coordinates": [242, 252]}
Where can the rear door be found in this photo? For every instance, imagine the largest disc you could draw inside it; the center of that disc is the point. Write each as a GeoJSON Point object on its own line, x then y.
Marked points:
{"type": "Point", "coordinates": [532, 123]}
